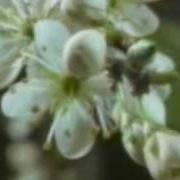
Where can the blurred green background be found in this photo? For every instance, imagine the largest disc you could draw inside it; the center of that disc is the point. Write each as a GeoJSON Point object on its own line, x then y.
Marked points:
{"type": "Point", "coordinates": [168, 39]}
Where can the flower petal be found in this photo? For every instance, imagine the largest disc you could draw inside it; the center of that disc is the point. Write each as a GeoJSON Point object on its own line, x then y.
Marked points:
{"type": "Point", "coordinates": [9, 72]}
{"type": "Point", "coordinates": [50, 37]}
{"type": "Point", "coordinates": [92, 10]}
{"type": "Point", "coordinates": [75, 132]}
{"type": "Point", "coordinates": [11, 59]}
{"type": "Point", "coordinates": [27, 101]}
{"type": "Point", "coordinates": [164, 91]}
{"type": "Point", "coordinates": [161, 63]}
{"type": "Point", "coordinates": [154, 108]}
{"type": "Point", "coordinates": [41, 8]}
{"type": "Point", "coordinates": [130, 102]}
{"type": "Point", "coordinates": [149, 106]}
{"type": "Point", "coordinates": [136, 20]}
{"type": "Point", "coordinates": [10, 49]}
{"type": "Point", "coordinates": [84, 53]}
{"type": "Point", "coordinates": [133, 140]}
{"type": "Point", "coordinates": [99, 84]}
{"type": "Point", "coordinates": [163, 156]}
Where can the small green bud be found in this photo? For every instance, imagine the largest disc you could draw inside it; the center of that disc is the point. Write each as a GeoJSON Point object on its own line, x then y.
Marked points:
{"type": "Point", "coordinates": [141, 51]}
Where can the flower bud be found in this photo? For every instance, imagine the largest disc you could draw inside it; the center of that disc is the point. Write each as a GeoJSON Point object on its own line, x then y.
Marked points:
{"type": "Point", "coordinates": [141, 51]}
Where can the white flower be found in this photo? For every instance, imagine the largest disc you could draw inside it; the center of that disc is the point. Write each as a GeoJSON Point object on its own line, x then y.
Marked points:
{"type": "Point", "coordinates": [148, 106]}
{"type": "Point", "coordinates": [134, 18]}
{"type": "Point", "coordinates": [17, 33]}
{"type": "Point", "coordinates": [137, 117]}
{"type": "Point", "coordinates": [163, 156]}
{"type": "Point", "coordinates": [65, 92]}
{"type": "Point", "coordinates": [84, 10]}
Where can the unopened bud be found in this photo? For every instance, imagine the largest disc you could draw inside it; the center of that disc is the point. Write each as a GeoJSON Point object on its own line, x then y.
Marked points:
{"type": "Point", "coordinates": [141, 51]}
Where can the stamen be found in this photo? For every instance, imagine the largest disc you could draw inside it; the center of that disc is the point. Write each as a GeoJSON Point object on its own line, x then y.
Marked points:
{"type": "Point", "coordinates": [8, 27]}
{"type": "Point", "coordinates": [102, 120]}
{"type": "Point", "coordinates": [48, 142]}
{"type": "Point", "coordinates": [21, 8]}
{"type": "Point", "coordinates": [40, 61]}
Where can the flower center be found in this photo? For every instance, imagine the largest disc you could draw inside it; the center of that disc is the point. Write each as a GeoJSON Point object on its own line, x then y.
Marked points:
{"type": "Point", "coordinates": [27, 29]}
{"type": "Point", "coordinates": [66, 88]}
{"type": "Point", "coordinates": [71, 86]}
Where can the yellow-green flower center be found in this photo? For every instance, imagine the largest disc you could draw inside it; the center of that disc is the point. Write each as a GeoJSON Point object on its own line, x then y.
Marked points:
{"type": "Point", "coordinates": [66, 88]}
{"type": "Point", "coordinates": [71, 86]}
{"type": "Point", "coordinates": [28, 29]}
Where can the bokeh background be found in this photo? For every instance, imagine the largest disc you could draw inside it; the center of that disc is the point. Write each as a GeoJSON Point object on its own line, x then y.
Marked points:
{"type": "Point", "coordinates": [108, 160]}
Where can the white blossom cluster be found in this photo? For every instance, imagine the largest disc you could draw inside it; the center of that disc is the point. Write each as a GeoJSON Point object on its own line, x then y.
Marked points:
{"type": "Point", "coordinates": [90, 65]}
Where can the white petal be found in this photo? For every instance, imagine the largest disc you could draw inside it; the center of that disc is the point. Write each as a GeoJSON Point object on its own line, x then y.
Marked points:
{"type": "Point", "coordinates": [94, 9]}
{"type": "Point", "coordinates": [99, 84]}
{"type": "Point", "coordinates": [130, 102]}
{"type": "Point", "coordinates": [10, 49]}
{"type": "Point", "coordinates": [27, 101]}
{"type": "Point", "coordinates": [84, 53]}
{"type": "Point", "coordinates": [50, 37]}
{"type": "Point", "coordinates": [164, 91]}
{"type": "Point", "coordinates": [136, 20]}
{"type": "Point", "coordinates": [11, 60]}
{"type": "Point", "coordinates": [154, 108]}
{"type": "Point", "coordinates": [149, 106]}
{"type": "Point", "coordinates": [41, 8]}
{"type": "Point", "coordinates": [133, 141]}
{"type": "Point", "coordinates": [34, 70]}
{"type": "Point", "coordinates": [163, 156]}
{"type": "Point", "coordinates": [161, 63]}
{"type": "Point", "coordinates": [9, 72]}
{"type": "Point", "coordinates": [75, 132]}
{"type": "Point", "coordinates": [120, 115]}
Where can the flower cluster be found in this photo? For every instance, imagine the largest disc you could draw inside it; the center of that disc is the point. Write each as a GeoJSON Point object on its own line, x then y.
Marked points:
{"type": "Point", "coordinates": [90, 65]}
